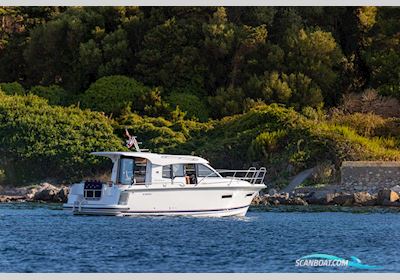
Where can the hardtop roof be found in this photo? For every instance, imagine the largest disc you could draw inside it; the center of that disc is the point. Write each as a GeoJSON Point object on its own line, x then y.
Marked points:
{"type": "Point", "coordinates": [158, 159]}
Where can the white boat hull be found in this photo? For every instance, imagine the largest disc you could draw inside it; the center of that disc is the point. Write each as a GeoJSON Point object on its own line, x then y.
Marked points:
{"type": "Point", "coordinates": [210, 201]}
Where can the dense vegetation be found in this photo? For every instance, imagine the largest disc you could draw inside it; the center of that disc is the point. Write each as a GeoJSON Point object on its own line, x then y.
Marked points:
{"type": "Point", "coordinates": [42, 141]}
{"type": "Point", "coordinates": [284, 87]}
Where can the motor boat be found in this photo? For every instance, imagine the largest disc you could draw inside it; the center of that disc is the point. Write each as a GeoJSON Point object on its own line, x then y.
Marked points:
{"type": "Point", "coordinates": [145, 183]}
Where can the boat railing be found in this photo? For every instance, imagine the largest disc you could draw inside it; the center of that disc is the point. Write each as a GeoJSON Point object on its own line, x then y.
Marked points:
{"type": "Point", "coordinates": [251, 175]}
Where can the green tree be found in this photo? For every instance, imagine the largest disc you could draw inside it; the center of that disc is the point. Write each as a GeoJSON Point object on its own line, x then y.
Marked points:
{"type": "Point", "coordinates": [248, 39]}
{"type": "Point", "coordinates": [16, 23]}
{"type": "Point", "coordinates": [171, 53]}
{"type": "Point", "coordinates": [317, 55]}
{"type": "Point", "coordinates": [227, 101]}
{"type": "Point", "coordinates": [110, 56]}
{"type": "Point", "coordinates": [296, 89]}
{"type": "Point", "coordinates": [113, 94]}
{"type": "Point", "coordinates": [54, 94]}
{"type": "Point", "coordinates": [253, 16]}
{"type": "Point", "coordinates": [189, 103]}
{"type": "Point", "coordinates": [58, 51]}
{"type": "Point", "coordinates": [39, 141]}
{"type": "Point", "coordinates": [382, 48]}
{"type": "Point", "coordinates": [14, 88]}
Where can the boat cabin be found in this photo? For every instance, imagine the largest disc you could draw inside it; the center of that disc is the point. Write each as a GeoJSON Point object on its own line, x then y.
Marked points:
{"type": "Point", "coordinates": [143, 168]}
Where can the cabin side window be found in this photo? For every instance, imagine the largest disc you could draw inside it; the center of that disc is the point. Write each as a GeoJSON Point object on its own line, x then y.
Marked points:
{"type": "Point", "coordinates": [204, 171]}
{"type": "Point", "coordinates": [178, 170]}
{"type": "Point", "coordinates": [191, 171]}
{"type": "Point", "coordinates": [140, 170]}
{"type": "Point", "coordinates": [167, 171]}
{"type": "Point", "coordinates": [173, 170]}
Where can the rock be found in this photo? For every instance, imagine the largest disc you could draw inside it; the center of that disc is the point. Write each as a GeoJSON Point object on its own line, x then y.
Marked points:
{"type": "Point", "coordinates": [62, 195]}
{"type": "Point", "coordinates": [396, 189]}
{"type": "Point", "coordinates": [320, 197]}
{"type": "Point", "coordinates": [281, 198]}
{"type": "Point", "coordinates": [272, 192]}
{"type": "Point", "coordinates": [284, 195]}
{"type": "Point", "coordinates": [387, 202]}
{"type": "Point", "coordinates": [297, 201]}
{"type": "Point", "coordinates": [266, 203]}
{"type": "Point", "coordinates": [261, 200]}
{"type": "Point", "coordinates": [301, 195]}
{"type": "Point", "coordinates": [344, 199]}
{"type": "Point", "coordinates": [275, 202]}
{"type": "Point", "coordinates": [13, 191]}
{"type": "Point", "coordinates": [11, 198]}
{"type": "Point", "coordinates": [4, 198]}
{"type": "Point", "coordinates": [31, 193]}
{"type": "Point", "coordinates": [46, 192]}
{"type": "Point", "coordinates": [387, 195]}
{"type": "Point", "coordinates": [43, 192]}
{"type": "Point", "coordinates": [256, 200]}
{"type": "Point", "coordinates": [364, 199]}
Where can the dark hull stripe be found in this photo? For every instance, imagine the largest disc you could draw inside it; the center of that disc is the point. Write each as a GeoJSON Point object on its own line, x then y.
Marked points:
{"type": "Point", "coordinates": [96, 208]}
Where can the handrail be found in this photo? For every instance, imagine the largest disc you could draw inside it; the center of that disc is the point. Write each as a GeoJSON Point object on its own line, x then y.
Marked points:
{"type": "Point", "coordinates": [212, 173]}
{"type": "Point", "coordinates": [252, 175]}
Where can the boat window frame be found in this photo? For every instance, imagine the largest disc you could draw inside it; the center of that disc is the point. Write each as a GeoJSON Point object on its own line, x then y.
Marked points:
{"type": "Point", "coordinates": [119, 170]}
{"type": "Point", "coordinates": [213, 174]}
{"type": "Point", "coordinates": [181, 169]}
{"type": "Point", "coordinates": [136, 172]}
{"type": "Point", "coordinates": [170, 172]}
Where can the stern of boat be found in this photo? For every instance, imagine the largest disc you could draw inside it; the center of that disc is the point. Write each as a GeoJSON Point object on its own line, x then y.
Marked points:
{"type": "Point", "coordinates": [96, 198]}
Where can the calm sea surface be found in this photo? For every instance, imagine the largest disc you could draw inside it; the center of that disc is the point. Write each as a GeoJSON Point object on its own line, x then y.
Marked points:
{"type": "Point", "coordinates": [43, 238]}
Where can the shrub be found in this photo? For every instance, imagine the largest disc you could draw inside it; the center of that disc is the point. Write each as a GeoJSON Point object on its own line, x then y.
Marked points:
{"type": "Point", "coordinates": [391, 128]}
{"type": "Point", "coordinates": [286, 142]}
{"type": "Point", "coordinates": [364, 124]}
{"type": "Point", "coordinates": [189, 103]}
{"type": "Point", "coordinates": [159, 134]}
{"type": "Point", "coordinates": [14, 88]}
{"type": "Point", "coordinates": [317, 114]}
{"type": "Point", "coordinates": [370, 101]}
{"type": "Point", "coordinates": [39, 141]}
{"type": "Point", "coordinates": [113, 94]}
{"type": "Point", "coordinates": [268, 142]}
{"type": "Point", "coordinates": [227, 101]}
{"type": "Point", "coordinates": [54, 94]}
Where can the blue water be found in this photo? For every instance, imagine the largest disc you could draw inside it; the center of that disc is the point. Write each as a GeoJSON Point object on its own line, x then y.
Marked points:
{"type": "Point", "coordinates": [43, 238]}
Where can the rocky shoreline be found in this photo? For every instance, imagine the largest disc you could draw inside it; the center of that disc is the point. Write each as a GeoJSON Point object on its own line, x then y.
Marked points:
{"type": "Point", "coordinates": [384, 197]}
{"type": "Point", "coordinates": [46, 192]}
{"type": "Point", "coordinates": [43, 192]}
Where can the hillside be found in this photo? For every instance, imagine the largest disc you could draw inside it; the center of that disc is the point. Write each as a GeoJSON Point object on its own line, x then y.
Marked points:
{"type": "Point", "coordinates": [283, 87]}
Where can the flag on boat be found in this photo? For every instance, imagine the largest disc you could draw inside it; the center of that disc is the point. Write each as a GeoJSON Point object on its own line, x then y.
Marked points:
{"type": "Point", "coordinates": [131, 141]}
